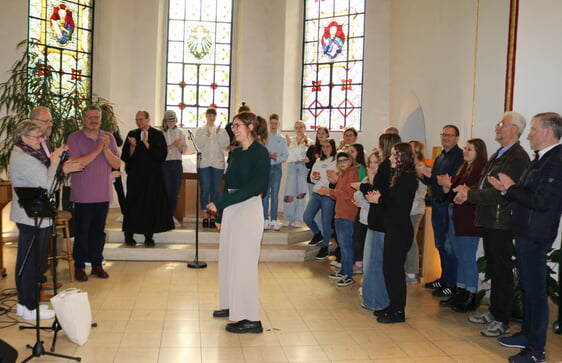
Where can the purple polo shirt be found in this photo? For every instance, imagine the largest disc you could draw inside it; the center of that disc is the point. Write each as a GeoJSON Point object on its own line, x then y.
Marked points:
{"type": "Point", "coordinates": [93, 184]}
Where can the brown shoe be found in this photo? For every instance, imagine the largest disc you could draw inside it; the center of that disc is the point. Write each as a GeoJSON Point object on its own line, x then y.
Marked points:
{"type": "Point", "coordinates": [99, 272]}
{"type": "Point", "coordinates": [80, 275]}
{"type": "Point", "coordinates": [50, 286]}
{"type": "Point", "coordinates": [43, 296]}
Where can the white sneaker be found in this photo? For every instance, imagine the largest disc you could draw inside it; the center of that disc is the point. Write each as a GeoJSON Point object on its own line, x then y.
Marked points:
{"type": "Point", "coordinates": [297, 224]}
{"type": "Point", "coordinates": [44, 313]}
{"type": "Point", "coordinates": [20, 308]}
{"type": "Point", "coordinates": [176, 222]}
{"type": "Point", "coordinates": [335, 263]}
{"type": "Point", "coordinates": [266, 224]}
{"type": "Point", "coordinates": [119, 219]}
{"type": "Point", "coordinates": [286, 223]}
{"type": "Point", "coordinates": [275, 225]}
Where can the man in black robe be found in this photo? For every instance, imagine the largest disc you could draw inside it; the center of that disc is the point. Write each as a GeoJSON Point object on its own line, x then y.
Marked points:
{"type": "Point", "coordinates": [146, 209]}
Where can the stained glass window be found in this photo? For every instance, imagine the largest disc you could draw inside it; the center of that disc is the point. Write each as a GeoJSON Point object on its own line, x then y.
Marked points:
{"type": "Point", "coordinates": [60, 43]}
{"type": "Point", "coordinates": [199, 56]}
{"type": "Point", "coordinates": [332, 76]}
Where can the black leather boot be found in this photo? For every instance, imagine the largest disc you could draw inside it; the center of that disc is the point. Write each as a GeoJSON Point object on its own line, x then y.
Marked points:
{"type": "Point", "coordinates": [467, 304]}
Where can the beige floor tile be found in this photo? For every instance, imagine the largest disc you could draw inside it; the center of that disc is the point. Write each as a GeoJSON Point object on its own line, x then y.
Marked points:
{"type": "Point", "coordinates": [162, 312]}
{"type": "Point", "coordinates": [420, 349]}
{"type": "Point", "coordinates": [181, 340]}
{"type": "Point", "coordinates": [345, 351]}
{"type": "Point", "coordinates": [287, 339]}
{"type": "Point", "coordinates": [127, 354]}
{"type": "Point", "coordinates": [179, 355]}
{"type": "Point", "coordinates": [220, 339]}
{"type": "Point", "coordinates": [222, 355]}
{"type": "Point", "coordinates": [305, 354]}
{"type": "Point", "coordinates": [261, 354]}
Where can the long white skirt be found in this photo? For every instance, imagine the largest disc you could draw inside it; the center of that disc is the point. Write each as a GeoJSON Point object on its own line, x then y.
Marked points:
{"type": "Point", "coordinates": [239, 251]}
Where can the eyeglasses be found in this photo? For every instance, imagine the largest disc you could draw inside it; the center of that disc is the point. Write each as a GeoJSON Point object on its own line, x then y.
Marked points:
{"type": "Point", "coordinates": [342, 160]}
{"type": "Point", "coordinates": [171, 120]}
{"type": "Point", "coordinates": [92, 117]}
{"type": "Point", "coordinates": [47, 121]}
{"type": "Point", "coordinates": [38, 137]}
{"type": "Point", "coordinates": [448, 135]}
{"type": "Point", "coordinates": [503, 123]}
{"type": "Point", "coordinates": [236, 126]}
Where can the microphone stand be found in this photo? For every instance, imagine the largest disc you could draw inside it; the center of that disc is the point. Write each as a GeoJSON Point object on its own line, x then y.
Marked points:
{"type": "Point", "coordinates": [196, 263]}
{"type": "Point", "coordinates": [37, 205]}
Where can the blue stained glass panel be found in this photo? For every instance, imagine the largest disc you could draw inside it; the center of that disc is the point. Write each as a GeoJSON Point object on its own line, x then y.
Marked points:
{"type": "Point", "coordinates": [200, 55]}
{"type": "Point", "coordinates": [332, 74]}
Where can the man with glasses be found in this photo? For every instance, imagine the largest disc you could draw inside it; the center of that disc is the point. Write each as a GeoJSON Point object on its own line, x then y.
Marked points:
{"type": "Point", "coordinates": [446, 163]}
{"type": "Point", "coordinates": [91, 191]}
{"type": "Point", "coordinates": [147, 211]}
{"type": "Point", "coordinates": [493, 213]}
{"type": "Point", "coordinates": [42, 116]}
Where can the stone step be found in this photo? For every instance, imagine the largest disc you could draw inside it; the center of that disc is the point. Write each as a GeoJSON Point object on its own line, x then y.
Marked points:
{"type": "Point", "coordinates": [186, 234]}
{"type": "Point", "coordinates": [177, 252]}
{"type": "Point", "coordinates": [290, 244]}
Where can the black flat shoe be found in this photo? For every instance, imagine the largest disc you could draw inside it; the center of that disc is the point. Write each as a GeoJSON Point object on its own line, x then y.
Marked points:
{"type": "Point", "coordinates": [380, 312]}
{"type": "Point", "coordinates": [392, 317]}
{"type": "Point", "coordinates": [206, 223]}
{"type": "Point", "coordinates": [245, 326]}
{"type": "Point", "coordinates": [222, 313]}
{"type": "Point", "coordinates": [131, 242]}
{"type": "Point", "coordinates": [149, 243]}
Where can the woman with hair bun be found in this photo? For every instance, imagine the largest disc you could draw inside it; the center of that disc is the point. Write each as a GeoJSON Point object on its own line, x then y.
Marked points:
{"type": "Point", "coordinates": [240, 222]}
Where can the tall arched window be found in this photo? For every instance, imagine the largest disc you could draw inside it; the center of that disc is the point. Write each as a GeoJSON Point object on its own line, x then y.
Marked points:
{"type": "Point", "coordinates": [60, 39]}
{"type": "Point", "coordinates": [199, 57]}
{"type": "Point", "coordinates": [332, 82]}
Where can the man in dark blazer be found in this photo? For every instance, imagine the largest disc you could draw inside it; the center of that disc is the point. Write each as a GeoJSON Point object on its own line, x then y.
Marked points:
{"type": "Point", "coordinates": [536, 210]}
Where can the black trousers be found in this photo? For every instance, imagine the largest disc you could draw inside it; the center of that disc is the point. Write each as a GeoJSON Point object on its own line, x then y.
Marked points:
{"type": "Point", "coordinates": [499, 251]}
{"type": "Point", "coordinates": [25, 283]}
{"type": "Point", "coordinates": [394, 256]}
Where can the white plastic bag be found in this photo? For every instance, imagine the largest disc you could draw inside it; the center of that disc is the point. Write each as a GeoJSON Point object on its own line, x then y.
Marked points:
{"type": "Point", "coordinates": [72, 309]}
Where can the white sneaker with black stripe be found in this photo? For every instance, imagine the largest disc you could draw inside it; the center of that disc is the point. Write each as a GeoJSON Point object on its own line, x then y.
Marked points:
{"type": "Point", "coordinates": [336, 275]}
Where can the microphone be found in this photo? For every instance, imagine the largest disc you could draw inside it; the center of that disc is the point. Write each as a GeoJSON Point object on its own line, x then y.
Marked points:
{"type": "Point", "coordinates": [63, 159]}
{"type": "Point", "coordinates": [190, 134]}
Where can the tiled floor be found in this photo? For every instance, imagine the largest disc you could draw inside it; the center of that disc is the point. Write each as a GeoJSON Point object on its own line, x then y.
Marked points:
{"type": "Point", "coordinates": [161, 312]}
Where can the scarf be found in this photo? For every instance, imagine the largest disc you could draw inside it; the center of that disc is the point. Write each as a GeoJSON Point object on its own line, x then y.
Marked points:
{"type": "Point", "coordinates": [35, 153]}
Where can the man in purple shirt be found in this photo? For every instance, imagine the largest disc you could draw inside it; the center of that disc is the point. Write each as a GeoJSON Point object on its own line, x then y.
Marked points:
{"type": "Point", "coordinates": [91, 190]}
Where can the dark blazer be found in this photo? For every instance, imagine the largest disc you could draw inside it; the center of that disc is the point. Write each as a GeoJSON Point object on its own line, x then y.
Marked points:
{"type": "Point", "coordinates": [537, 198]}
{"type": "Point", "coordinates": [492, 210]}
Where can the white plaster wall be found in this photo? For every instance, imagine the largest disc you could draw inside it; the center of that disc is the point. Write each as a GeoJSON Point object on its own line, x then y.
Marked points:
{"type": "Point", "coordinates": [432, 54]}
{"type": "Point", "coordinates": [538, 77]}
{"type": "Point", "coordinates": [493, 23]}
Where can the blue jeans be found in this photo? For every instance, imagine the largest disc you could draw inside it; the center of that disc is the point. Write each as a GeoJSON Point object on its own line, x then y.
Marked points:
{"type": "Point", "coordinates": [210, 183]}
{"type": "Point", "coordinates": [375, 296]}
{"type": "Point", "coordinates": [275, 173]}
{"type": "Point", "coordinates": [326, 206]}
{"type": "Point", "coordinates": [531, 257]}
{"type": "Point", "coordinates": [295, 187]}
{"type": "Point", "coordinates": [89, 235]}
{"type": "Point", "coordinates": [172, 172]}
{"type": "Point", "coordinates": [344, 231]}
{"type": "Point", "coordinates": [318, 217]}
{"type": "Point", "coordinates": [443, 245]}
{"type": "Point", "coordinates": [465, 252]}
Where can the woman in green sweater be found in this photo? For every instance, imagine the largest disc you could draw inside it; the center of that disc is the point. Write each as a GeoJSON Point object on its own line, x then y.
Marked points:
{"type": "Point", "coordinates": [240, 222]}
